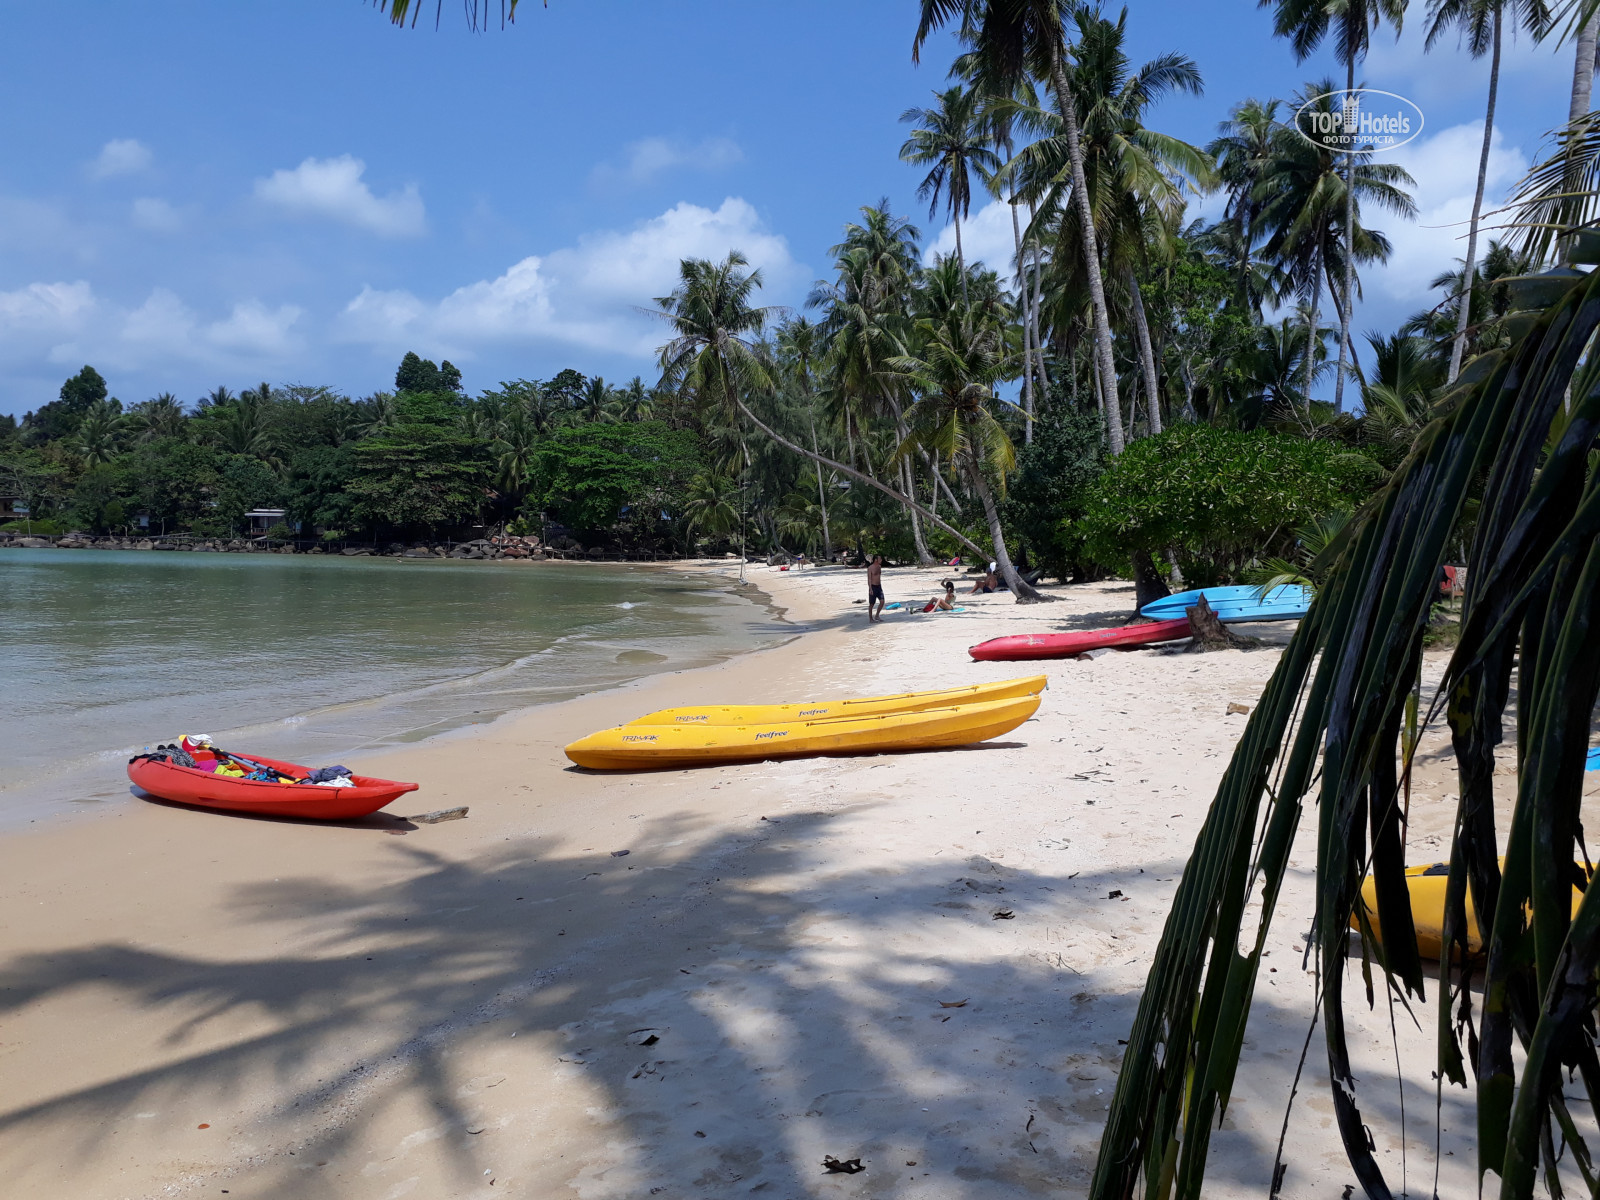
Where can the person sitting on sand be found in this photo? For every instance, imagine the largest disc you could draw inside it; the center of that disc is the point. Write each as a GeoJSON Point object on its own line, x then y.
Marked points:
{"type": "Point", "coordinates": [945, 602]}
{"type": "Point", "coordinates": [989, 583]}
{"type": "Point", "coordinates": [875, 588]}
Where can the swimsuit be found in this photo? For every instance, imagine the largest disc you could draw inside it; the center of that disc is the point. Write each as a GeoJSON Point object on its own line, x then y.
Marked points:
{"type": "Point", "coordinates": [874, 592]}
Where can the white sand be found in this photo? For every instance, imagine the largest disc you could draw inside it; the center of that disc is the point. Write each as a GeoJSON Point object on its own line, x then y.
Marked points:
{"type": "Point", "coordinates": [463, 1010]}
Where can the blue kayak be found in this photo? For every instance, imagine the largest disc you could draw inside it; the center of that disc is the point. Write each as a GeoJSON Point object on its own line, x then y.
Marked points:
{"type": "Point", "coordinates": [1593, 761]}
{"type": "Point", "coordinates": [1239, 603]}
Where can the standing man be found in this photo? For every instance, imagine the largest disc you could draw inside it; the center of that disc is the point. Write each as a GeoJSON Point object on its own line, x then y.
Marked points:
{"type": "Point", "coordinates": [875, 588]}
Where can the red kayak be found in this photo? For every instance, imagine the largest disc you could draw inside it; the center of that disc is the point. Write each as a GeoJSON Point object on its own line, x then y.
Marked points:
{"type": "Point", "coordinates": [1064, 645]}
{"type": "Point", "coordinates": [190, 785]}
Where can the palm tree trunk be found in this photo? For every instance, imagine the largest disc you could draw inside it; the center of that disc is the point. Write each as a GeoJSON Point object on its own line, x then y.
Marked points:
{"type": "Point", "coordinates": [1091, 253]}
{"type": "Point", "coordinates": [961, 258]}
{"type": "Point", "coordinates": [1313, 319]}
{"type": "Point", "coordinates": [1027, 326]}
{"type": "Point", "coordinates": [1583, 69]}
{"type": "Point", "coordinates": [1347, 301]}
{"type": "Point", "coordinates": [861, 476]}
{"type": "Point", "coordinates": [1147, 355]}
{"type": "Point", "coordinates": [1022, 590]}
{"type": "Point", "coordinates": [822, 500]}
{"type": "Point", "coordinates": [1464, 309]}
{"type": "Point", "coordinates": [924, 559]}
{"type": "Point", "coordinates": [1038, 295]}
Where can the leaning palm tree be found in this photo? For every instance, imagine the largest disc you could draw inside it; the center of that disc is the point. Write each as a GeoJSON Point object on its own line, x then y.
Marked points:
{"type": "Point", "coordinates": [954, 365]}
{"type": "Point", "coordinates": [1510, 447]}
{"type": "Point", "coordinates": [1012, 40]}
{"type": "Point", "coordinates": [714, 358]}
{"type": "Point", "coordinates": [951, 140]}
{"type": "Point", "coordinates": [1480, 24]}
{"type": "Point", "coordinates": [1306, 23]}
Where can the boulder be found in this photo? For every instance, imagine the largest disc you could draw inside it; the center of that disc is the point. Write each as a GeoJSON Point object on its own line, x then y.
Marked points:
{"type": "Point", "coordinates": [33, 543]}
{"type": "Point", "coordinates": [145, 544]}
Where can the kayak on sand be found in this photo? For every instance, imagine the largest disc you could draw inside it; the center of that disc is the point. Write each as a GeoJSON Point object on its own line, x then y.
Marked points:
{"type": "Point", "coordinates": [773, 714]}
{"type": "Point", "coordinates": [1240, 603]}
{"type": "Point", "coordinates": [203, 787]}
{"type": "Point", "coordinates": [1017, 647]}
{"type": "Point", "coordinates": [643, 747]}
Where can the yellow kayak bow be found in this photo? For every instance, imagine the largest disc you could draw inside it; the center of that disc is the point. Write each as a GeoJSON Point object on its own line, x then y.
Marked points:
{"type": "Point", "coordinates": [776, 714]}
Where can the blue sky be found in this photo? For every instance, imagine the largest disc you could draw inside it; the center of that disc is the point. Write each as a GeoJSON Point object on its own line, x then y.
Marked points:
{"type": "Point", "coordinates": [202, 194]}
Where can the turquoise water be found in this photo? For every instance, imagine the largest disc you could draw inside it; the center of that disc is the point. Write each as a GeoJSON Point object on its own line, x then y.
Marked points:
{"type": "Point", "coordinates": [309, 658]}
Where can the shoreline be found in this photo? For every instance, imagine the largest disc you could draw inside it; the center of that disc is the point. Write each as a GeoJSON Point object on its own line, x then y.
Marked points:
{"type": "Point", "coordinates": [611, 985]}
{"type": "Point", "coordinates": [77, 788]}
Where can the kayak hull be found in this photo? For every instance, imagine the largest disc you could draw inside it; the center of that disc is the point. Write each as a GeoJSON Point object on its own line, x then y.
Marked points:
{"type": "Point", "coordinates": [202, 789]}
{"type": "Point", "coordinates": [1019, 647]}
{"type": "Point", "coordinates": [776, 714]}
{"type": "Point", "coordinates": [1238, 603]}
{"type": "Point", "coordinates": [635, 747]}
{"type": "Point", "coordinates": [1426, 885]}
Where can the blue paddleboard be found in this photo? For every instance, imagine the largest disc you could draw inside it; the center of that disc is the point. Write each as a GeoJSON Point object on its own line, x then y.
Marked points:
{"type": "Point", "coordinates": [1238, 603]}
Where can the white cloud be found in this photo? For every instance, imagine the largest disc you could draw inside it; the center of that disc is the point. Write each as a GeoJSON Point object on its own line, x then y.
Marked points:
{"type": "Point", "coordinates": [1445, 167]}
{"type": "Point", "coordinates": [50, 308]}
{"type": "Point", "coordinates": [1447, 81]}
{"type": "Point", "coordinates": [155, 215]}
{"type": "Point", "coordinates": [586, 295]}
{"type": "Point", "coordinates": [333, 188]}
{"type": "Point", "coordinates": [643, 160]}
{"type": "Point", "coordinates": [121, 156]}
{"type": "Point", "coordinates": [163, 330]}
{"type": "Point", "coordinates": [985, 237]}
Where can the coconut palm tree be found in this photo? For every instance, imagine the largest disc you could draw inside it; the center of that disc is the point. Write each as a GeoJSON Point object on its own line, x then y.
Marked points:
{"type": "Point", "coordinates": [1480, 23]}
{"type": "Point", "coordinates": [159, 417]}
{"type": "Point", "coordinates": [801, 344]}
{"type": "Point", "coordinates": [1135, 174]}
{"type": "Point", "coordinates": [1307, 214]}
{"type": "Point", "coordinates": [632, 402]}
{"type": "Point", "coordinates": [1012, 40]}
{"type": "Point", "coordinates": [953, 365]}
{"type": "Point", "coordinates": [714, 357]}
{"type": "Point", "coordinates": [951, 140]}
{"type": "Point", "coordinates": [1306, 23]}
{"type": "Point", "coordinates": [99, 434]}
{"type": "Point", "coordinates": [1243, 150]}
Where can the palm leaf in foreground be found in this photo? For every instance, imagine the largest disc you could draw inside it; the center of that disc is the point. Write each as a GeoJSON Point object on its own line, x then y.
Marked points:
{"type": "Point", "coordinates": [1339, 695]}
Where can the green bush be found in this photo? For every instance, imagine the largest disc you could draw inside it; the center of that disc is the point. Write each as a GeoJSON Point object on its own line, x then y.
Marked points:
{"type": "Point", "coordinates": [1217, 498]}
{"type": "Point", "coordinates": [1047, 493]}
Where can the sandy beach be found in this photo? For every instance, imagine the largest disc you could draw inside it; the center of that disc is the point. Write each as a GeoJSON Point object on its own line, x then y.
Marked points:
{"type": "Point", "coordinates": [681, 983]}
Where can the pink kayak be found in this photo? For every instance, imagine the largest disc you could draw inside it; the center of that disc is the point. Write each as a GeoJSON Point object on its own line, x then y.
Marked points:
{"type": "Point", "coordinates": [1019, 646]}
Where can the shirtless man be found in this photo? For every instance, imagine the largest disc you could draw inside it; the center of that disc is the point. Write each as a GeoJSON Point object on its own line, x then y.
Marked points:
{"type": "Point", "coordinates": [875, 588]}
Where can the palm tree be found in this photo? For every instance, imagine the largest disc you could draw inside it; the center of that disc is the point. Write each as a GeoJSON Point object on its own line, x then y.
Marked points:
{"type": "Point", "coordinates": [711, 504]}
{"type": "Point", "coordinates": [801, 345]}
{"type": "Point", "coordinates": [159, 417]}
{"type": "Point", "coordinates": [1480, 23]}
{"type": "Point", "coordinates": [515, 446]}
{"type": "Point", "coordinates": [633, 401]}
{"type": "Point", "coordinates": [1508, 456]}
{"type": "Point", "coordinates": [954, 365]}
{"type": "Point", "coordinates": [1012, 40]}
{"type": "Point", "coordinates": [1135, 174]}
{"type": "Point", "coordinates": [1303, 197]}
{"type": "Point", "coordinates": [595, 402]}
{"type": "Point", "coordinates": [714, 358]}
{"type": "Point", "coordinates": [99, 434]}
{"type": "Point", "coordinates": [1306, 23]}
{"type": "Point", "coordinates": [951, 141]}
{"type": "Point", "coordinates": [1243, 152]}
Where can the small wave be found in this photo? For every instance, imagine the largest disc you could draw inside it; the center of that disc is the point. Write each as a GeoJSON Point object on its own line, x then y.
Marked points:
{"type": "Point", "coordinates": [625, 604]}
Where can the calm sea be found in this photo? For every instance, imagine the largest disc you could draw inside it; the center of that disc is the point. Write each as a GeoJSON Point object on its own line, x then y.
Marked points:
{"type": "Point", "coordinates": [311, 658]}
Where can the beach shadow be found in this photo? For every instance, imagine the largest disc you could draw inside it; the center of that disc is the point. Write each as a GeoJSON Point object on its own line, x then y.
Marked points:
{"type": "Point", "coordinates": [808, 1013]}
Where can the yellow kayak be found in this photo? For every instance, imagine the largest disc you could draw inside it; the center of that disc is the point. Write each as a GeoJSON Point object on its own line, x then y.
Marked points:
{"type": "Point", "coordinates": [778, 714]}
{"type": "Point", "coordinates": [635, 747]}
{"type": "Point", "coordinates": [1427, 886]}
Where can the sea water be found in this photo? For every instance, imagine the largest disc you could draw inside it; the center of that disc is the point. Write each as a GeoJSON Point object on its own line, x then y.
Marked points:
{"type": "Point", "coordinates": [312, 658]}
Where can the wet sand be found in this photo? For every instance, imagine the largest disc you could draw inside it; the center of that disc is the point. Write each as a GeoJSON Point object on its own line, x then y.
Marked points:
{"type": "Point", "coordinates": [679, 983]}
